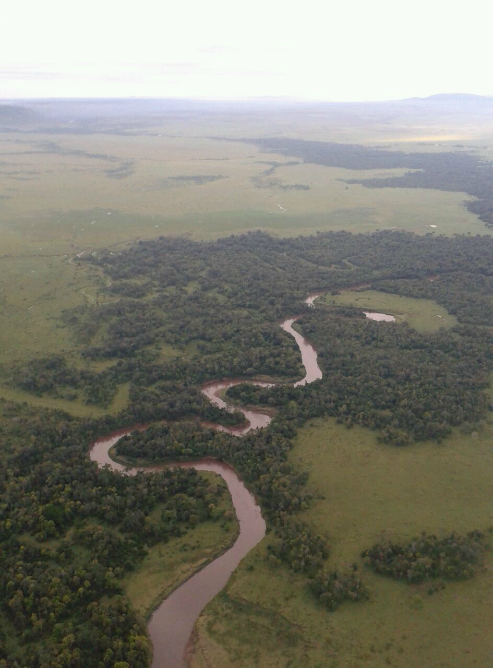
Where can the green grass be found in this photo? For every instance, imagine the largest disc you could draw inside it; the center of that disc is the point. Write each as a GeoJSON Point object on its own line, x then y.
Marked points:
{"type": "Point", "coordinates": [167, 565]}
{"type": "Point", "coordinates": [76, 408]}
{"type": "Point", "coordinates": [363, 492]}
{"type": "Point", "coordinates": [70, 205]}
{"type": "Point", "coordinates": [167, 352]}
{"type": "Point", "coordinates": [73, 204]}
{"type": "Point", "coordinates": [34, 292]}
{"type": "Point", "coordinates": [424, 315]}
{"type": "Point", "coordinates": [266, 617]}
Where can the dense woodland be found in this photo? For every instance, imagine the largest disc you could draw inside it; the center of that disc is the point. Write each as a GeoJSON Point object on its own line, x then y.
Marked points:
{"type": "Point", "coordinates": [218, 306]}
{"type": "Point", "coordinates": [408, 386]}
{"type": "Point", "coordinates": [69, 531]}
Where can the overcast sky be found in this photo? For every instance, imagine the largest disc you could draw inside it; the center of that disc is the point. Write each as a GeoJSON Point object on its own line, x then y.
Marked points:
{"type": "Point", "coordinates": [324, 50]}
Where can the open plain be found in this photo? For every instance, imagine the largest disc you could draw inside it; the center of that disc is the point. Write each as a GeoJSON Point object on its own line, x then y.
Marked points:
{"type": "Point", "coordinates": [75, 194]}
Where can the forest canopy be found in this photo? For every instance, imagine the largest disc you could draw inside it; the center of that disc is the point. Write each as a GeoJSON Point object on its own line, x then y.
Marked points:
{"type": "Point", "coordinates": [218, 306]}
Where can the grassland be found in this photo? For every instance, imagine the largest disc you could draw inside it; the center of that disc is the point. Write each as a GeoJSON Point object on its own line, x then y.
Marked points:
{"type": "Point", "coordinates": [363, 492]}
{"type": "Point", "coordinates": [424, 315]}
{"type": "Point", "coordinates": [85, 192]}
{"type": "Point", "coordinates": [68, 198]}
{"type": "Point", "coordinates": [77, 193]}
{"type": "Point", "coordinates": [64, 194]}
{"type": "Point", "coordinates": [168, 565]}
{"type": "Point", "coordinates": [77, 408]}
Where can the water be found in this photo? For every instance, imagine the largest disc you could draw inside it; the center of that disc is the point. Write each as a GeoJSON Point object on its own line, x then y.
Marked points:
{"type": "Point", "coordinates": [380, 317]}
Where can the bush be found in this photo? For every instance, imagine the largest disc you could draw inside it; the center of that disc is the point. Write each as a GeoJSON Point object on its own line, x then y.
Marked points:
{"type": "Point", "coordinates": [333, 588]}
{"type": "Point", "coordinates": [452, 557]}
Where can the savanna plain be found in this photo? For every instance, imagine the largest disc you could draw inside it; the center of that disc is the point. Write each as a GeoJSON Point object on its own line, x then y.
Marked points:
{"type": "Point", "coordinates": [147, 248]}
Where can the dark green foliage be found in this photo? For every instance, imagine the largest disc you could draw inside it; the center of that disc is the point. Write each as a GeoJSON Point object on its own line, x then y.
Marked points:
{"type": "Point", "coordinates": [171, 401]}
{"type": "Point", "coordinates": [466, 295]}
{"type": "Point", "coordinates": [409, 386]}
{"type": "Point", "coordinates": [54, 376]}
{"type": "Point", "coordinates": [452, 557]}
{"type": "Point", "coordinates": [61, 598]}
{"type": "Point", "coordinates": [299, 547]}
{"type": "Point", "coordinates": [387, 377]}
{"type": "Point", "coordinates": [333, 588]}
{"type": "Point", "coordinates": [219, 305]}
{"type": "Point", "coordinates": [47, 374]}
{"type": "Point", "coordinates": [260, 458]}
{"type": "Point", "coordinates": [109, 548]}
{"type": "Point", "coordinates": [226, 298]}
{"type": "Point", "coordinates": [129, 289]}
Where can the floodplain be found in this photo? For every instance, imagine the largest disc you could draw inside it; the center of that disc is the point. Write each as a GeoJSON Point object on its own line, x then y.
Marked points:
{"type": "Point", "coordinates": [72, 190]}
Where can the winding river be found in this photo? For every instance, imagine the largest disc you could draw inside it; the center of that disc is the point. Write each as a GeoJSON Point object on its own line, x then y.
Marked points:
{"type": "Point", "coordinates": [171, 624]}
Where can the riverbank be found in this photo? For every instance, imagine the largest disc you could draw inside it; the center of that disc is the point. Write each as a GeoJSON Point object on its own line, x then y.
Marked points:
{"type": "Point", "coordinates": [167, 566]}
{"type": "Point", "coordinates": [171, 623]}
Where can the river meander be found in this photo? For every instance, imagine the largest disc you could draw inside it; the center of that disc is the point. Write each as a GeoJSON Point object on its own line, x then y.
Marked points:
{"type": "Point", "coordinates": [171, 624]}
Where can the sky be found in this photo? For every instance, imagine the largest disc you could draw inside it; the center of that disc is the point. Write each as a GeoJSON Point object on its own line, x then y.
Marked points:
{"type": "Point", "coordinates": [342, 50]}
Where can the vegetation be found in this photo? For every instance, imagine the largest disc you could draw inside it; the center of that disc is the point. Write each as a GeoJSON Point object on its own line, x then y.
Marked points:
{"type": "Point", "coordinates": [452, 557]}
{"type": "Point", "coordinates": [218, 305]}
{"type": "Point", "coordinates": [53, 376]}
{"type": "Point", "coordinates": [333, 588]}
{"type": "Point", "coordinates": [454, 171]}
{"type": "Point", "coordinates": [423, 315]}
{"type": "Point", "coordinates": [299, 548]}
{"type": "Point", "coordinates": [166, 566]}
{"type": "Point", "coordinates": [69, 532]}
{"type": "Point", "coordinates": [130, 333]}
{"type": "Point", "coordinates": [362, 493]}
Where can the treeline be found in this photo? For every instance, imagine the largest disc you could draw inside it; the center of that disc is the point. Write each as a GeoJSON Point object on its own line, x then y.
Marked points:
{"type": "Point", "coordinates": [259, 457]}
{"type": "Point", "coordinates": [449, 171]}
{"type": "Point", "coordinates": [303, 551]}
{"type": "Point", "coordinates": [466, 295]}
{"type": "Point", "coordinates": [220, 291]}
{"type": "Point", "coordinates": [261, 460]}
{"type": "Point", "coordinates": [219, 305]}
{"type": "Point", "coordinates": [54, 376]}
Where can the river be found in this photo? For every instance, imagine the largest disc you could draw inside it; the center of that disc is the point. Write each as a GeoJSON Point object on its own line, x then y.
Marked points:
{"type": "Point", "coordinates": [171, 624]}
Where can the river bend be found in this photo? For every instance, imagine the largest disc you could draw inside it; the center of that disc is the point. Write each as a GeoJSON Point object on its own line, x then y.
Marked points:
{"type": "Point", "coordinates": [171, 624]}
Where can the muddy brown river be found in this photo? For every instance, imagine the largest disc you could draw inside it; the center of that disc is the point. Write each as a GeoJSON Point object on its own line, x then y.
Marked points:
{"type": "Point", "coordinates": [171, 624]}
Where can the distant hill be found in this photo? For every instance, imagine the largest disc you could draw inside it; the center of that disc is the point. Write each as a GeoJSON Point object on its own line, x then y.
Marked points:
{"type": "Point", "coordinates": [459, 96]}
{"type": "Point", "coordinates": [16, 115]}
{"type": "Point", "coordinates": [123, 115]}
{"type": "Point", "coordinates": [452, 98]}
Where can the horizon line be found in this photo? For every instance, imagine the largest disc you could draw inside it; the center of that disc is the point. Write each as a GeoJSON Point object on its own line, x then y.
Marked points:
{"type": "Point", "coordinates": [256, 98]}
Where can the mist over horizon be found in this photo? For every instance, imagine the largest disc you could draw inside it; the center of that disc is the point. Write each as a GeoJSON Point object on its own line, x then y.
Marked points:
{"type": "Point", "coordinates": [323, 51]}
